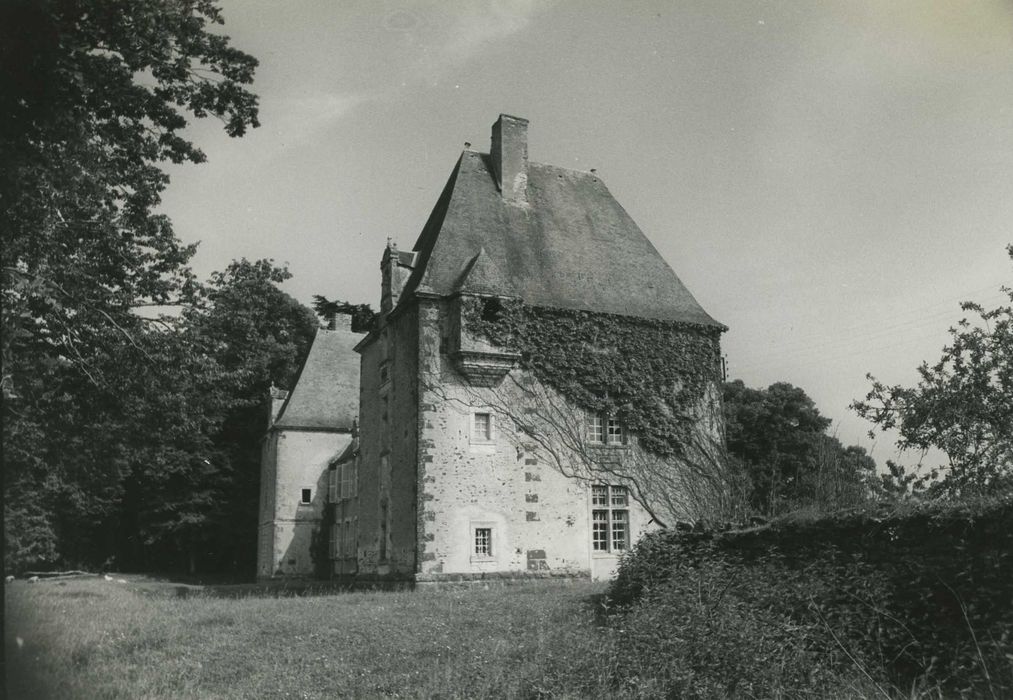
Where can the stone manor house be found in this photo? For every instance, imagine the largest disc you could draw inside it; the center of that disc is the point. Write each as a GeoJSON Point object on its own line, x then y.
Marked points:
{"type": "Point", "coordinates": [395, 455]}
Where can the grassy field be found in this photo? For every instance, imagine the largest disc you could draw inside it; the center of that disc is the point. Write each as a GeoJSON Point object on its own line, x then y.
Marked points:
{"type": "Point", "coordinates": [92, 638]}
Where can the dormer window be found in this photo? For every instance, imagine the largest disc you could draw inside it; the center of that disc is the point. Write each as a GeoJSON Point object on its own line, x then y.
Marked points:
{"type": "Point", "coordinates": [492, 308]}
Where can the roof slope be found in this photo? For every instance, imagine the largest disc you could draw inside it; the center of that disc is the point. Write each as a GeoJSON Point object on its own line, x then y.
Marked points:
{"type": "Point", "coordinates": [326, 392]}
{"type": "Point", "coordinates": [572, 246]}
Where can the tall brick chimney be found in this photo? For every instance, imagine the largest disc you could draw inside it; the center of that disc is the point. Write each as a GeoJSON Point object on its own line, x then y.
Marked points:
{"type": "Point", "coordinates": [510, 157]}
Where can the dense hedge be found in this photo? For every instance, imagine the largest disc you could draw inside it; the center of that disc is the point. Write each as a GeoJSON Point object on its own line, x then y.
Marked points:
{"type": "Point", "coordinates": [919, 597]}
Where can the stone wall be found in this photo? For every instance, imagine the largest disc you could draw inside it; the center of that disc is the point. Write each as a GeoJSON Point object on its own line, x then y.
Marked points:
{"type": "Point", "coordinates": [540, 520]}
{"type": "Point", "coordinates": [388, 412]}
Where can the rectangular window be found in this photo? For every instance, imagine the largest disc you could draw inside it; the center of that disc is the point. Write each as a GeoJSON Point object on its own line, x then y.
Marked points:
{"type": "Point", "coordinates": [348, 543]}
{"type": "Point", "coordinates": [347, 489]}
{"type": "Point", "coordinates": [481, 427]}
{"type": "Point", "coordinates": [603, 429]}
{"type": "Point", "coordinates": [610, 518]}
{"type": "Point", "coordinates": [307, 497]}
{"type": "Point", "coordinates": [483, 541]}
{"type": "Point", "coordinates": [614, 432]}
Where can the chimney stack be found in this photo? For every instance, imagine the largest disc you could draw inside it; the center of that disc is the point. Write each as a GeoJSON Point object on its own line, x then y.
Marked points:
{"type": "Point", "coordinates": [394, 274]}
{"type": "Point", "coordinates": [510, 157]}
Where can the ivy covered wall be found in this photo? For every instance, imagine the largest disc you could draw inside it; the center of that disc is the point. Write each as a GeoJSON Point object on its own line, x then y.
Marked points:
{"type": "Point", "coordinates": [652, 375]}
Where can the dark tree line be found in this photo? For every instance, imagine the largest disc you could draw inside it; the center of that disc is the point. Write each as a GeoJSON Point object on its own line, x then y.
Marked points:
{"type": "Point", "coordinates": [117, 424]}
{"type": "Point", "coordinates": [777, 440]}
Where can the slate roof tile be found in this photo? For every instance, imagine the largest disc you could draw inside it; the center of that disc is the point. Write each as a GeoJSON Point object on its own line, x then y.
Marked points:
{"type": "Point", "coordinates": [572, 246]}
{"type": "Point", "coordinates": [326, 392]}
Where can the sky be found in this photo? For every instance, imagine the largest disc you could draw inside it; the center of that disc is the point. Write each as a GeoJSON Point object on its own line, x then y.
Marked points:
{"type": "Point", "coordinates": [830, 180]}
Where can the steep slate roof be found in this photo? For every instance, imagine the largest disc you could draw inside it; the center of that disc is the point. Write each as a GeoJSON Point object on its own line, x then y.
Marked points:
{"type": "Point", "coordinates": [482, 276]}
{"type": "Point", "coordinates": [572, 246]}
{"type": "Point", "coordinates": [326, 393]}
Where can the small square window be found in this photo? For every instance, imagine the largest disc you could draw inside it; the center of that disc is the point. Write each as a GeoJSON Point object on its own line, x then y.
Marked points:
{"type": "Point", "coordinates": [481, 427]}
{"type": "Point", "coordinates": [483, 542]}
{"type": "Point", "coordinates": [307, 497]}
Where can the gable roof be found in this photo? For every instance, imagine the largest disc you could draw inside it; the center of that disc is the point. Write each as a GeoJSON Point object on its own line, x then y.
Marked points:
{"type": "Point", "coordinates": [571, 246]}
{"type": "Point", "coordinates": [326, 392]}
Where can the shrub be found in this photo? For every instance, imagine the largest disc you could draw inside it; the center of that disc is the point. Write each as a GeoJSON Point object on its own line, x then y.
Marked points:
{"type": "Point", "coordinates": [919, 598]}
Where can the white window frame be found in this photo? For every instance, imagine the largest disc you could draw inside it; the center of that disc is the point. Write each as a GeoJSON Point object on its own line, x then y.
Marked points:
{"type": "Point", "coordinates": [303, 501]}
{"type": "Point", "coordinates": [605, 429]}
{"type": "Point", "coordinates": [610, 514]}
{"type": "Point", "coordinates": [491, 543]}
{"type": "Point", "coordinates": [482, 543]}
{"type": "Point", "coordinates": [486, 436]}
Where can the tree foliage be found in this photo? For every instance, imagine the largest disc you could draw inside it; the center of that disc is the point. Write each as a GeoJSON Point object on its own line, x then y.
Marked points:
{"type": "Point", "coordinates": [158, 466]}
{"type": "Point", "coordinates": [779, 436]}
{"type": "Point", "coordinates": [95, 96]}
{"type": "Point", "coordinates": [363, 316]}
{"type": "Point", "coordinates": [961, 405]}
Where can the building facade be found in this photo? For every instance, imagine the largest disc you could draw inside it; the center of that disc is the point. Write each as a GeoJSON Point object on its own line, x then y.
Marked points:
{"type": "Point", "coordinates": [308, 429]}
{"type": "Point", "coordinates": [445, 477]}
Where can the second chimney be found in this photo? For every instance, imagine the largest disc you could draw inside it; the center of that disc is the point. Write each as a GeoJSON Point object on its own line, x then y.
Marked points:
{"type": "Point", "coordinates": [510, 157]}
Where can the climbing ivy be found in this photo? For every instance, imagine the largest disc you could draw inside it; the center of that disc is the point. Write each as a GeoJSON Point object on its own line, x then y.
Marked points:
{"type": "Point", "coordinates": [651, 375]}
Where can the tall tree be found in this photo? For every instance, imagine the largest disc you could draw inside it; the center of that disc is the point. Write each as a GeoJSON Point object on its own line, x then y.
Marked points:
{"type": "Point", "coordinates": [94, 98]}
{"type": "Point", "coordinates": [962, 404]}
{"type": "Point", "coordinates": [258, 336]}
{"type": "Point", "coordinates": [779, 436]}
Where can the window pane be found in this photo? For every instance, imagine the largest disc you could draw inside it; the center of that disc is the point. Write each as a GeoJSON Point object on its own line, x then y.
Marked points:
{"type": "Point", "coordinates": [595, 432]}
{"type": "Point", "coordinates": [619, 496]}
{"type": "Point", "coordinates": [599, 495]}
{"type": "Point", "coordinates": [600, 531]}
{"type": "Point", "coordinates": [618, 530]}
{"type": "Point", "coordinates": [615, 432]}
{"type": "Point", "coordinates": [483, 541]}
{"type": "Point", "coordinates": [483, 426]}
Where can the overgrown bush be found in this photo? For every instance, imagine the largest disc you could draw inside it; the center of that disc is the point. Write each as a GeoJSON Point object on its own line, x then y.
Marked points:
{"type": "Point", "coordinates": [919, 599]}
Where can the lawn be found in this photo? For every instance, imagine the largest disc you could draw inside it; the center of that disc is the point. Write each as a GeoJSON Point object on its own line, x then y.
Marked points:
{"type": "Point", "coordinates": [93, 638]}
